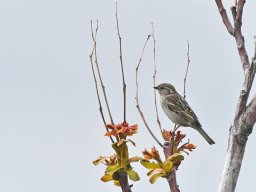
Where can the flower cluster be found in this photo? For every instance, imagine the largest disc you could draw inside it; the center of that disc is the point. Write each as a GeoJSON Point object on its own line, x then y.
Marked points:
{"type": "Point", "coordinates": [176, 140]}
{"type": "Point", "coordinates": [120, 161]}
{"type": "Point", "coordinates": [162, 168]}
{"type": "Point", "coordinates": [121, 130]}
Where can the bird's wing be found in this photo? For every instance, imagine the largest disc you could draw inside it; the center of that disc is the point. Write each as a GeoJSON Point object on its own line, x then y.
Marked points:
{"type": "Point", "coordinates": [179, 105]}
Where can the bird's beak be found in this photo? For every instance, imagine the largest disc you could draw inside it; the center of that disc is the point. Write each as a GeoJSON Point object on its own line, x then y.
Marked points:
{"type": "Point", "coordinates": [155, 87]}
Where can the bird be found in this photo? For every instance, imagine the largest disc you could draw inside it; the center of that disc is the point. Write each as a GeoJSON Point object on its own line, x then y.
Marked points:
{"type": "Point", "coordinates": [178, 110]}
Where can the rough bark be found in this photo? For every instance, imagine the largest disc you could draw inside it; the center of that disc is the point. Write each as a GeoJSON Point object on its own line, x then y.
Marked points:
{"type": "Point", "coordinates": [245, 115]}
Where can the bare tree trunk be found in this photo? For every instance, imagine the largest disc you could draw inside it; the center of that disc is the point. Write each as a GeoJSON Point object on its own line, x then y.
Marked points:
{"type": "Point", "coordinates": [245, 115]}
{"type": "Point", "coordinates": [239, 133]}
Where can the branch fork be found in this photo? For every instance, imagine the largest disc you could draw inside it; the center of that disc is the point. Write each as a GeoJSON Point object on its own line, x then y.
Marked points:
{"type": "Point", "coordinates": [245, 115]}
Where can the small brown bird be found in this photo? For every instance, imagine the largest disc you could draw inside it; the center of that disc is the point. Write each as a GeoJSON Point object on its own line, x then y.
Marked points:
{"type": "Point", "coordinates": [178, 111]}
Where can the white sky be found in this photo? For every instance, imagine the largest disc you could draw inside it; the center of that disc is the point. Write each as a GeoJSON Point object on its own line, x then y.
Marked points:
{"type": "Point", "coordinates": [50, 127]}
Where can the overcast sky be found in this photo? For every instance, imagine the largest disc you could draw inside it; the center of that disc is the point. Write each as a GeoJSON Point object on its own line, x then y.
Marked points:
{"type": "Point", "coordinates": [50, 127]}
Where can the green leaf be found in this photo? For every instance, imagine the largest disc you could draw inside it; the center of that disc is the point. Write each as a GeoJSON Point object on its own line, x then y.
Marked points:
{"type": "Point", "coordinates": [133, 175]}
{"type": "Point", "coordinates": [154, 177]}
{"type": "Point", "coordinates": [175, 157]}
{"type": "Point", "coordinates": [99, 160]}
{"type": "Point", "coordinates": [106, 178]}
{"type": "Point", "coordinates": [135, 159]}
{"type": "Point", "coordinates": [149, 165]}
{"type": "Point", "coordinates": [112, 168]}
{"type": "Point", "coordinates": [116, 183]}
{"type": "Point", "coordinates": [168, 165]}
{"type": "Point", "coordinates": [117, 149]}
{"type": "Point", "coordinates": [129, 140]}
{"type": "Point", "coordinates": [158, 170]}
{"type": "Point", "coordinates": [122, 153]}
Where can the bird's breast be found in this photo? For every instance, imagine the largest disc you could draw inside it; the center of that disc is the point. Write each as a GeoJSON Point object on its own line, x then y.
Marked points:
{"type": "Point", "coordinates": [175, 117]}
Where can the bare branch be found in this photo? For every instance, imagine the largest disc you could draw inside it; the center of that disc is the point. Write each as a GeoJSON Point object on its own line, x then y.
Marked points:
{"type": "Point", "coordinates": [254, 57]}
{"type": "Point", "coordinates": [122, 177]}
{"type": "Point", "coordinates": [248, 81]}
{"type": "Point", "coordinates": [237, 33]}
{"type": "Point", "coordinates": [239, 9]}
{"type": "Point", "coordinates": [233, 11]}
{"type": "Point", "coordinates": [250, 114]}
{"type": "Point", "coordinates": [245, 116]}
{"type": "Point", "coordinates": [154, 79]}
{"type": "Point", "coordinates": [121, 61]}
{"type": "Point", "coordinates": [137, 95]}
{"type": "Point", "coordinates": [224, 17]}
{"type": "Point", "coordinates": [94, 76]}
{"type": "Point", "coordinates": [101, 82]}
{"type": "Point", "coordinates": [239, 36]}
{"type": "Point", "coordinates": [186, 73]}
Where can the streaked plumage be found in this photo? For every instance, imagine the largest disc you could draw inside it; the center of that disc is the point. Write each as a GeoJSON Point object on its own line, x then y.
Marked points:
{"type": "Point", "coordinates": [178, 110]}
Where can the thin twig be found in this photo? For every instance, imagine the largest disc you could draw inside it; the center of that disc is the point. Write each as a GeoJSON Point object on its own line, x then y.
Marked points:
{"type": "Point", "coordinates": [94, 77]}
{"type": "Point", "coordinates": [101, 81]}
{"type": "Point", "coordinates": [121, 61]}
{"type": "Point", "coordinates": [186, 73]}
{"type": "Point", "coordinates": [154, 79]}
{"type": "Point", "coordinates": [137, 95]}
{"type": "Point", "coordinates": [254, 58]}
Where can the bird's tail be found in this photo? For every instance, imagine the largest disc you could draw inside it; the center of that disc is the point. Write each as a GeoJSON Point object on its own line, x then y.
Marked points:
{"type": "Point", "coordinates": [206, 136]}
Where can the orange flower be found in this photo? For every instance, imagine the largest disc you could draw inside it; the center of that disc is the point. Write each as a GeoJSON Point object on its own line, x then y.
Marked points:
{"type": "Point", "coordinates": [179, 136]}
{"type": "Point", "coordinates": [190, 146]}
{"type": "Point", "coordinates": [147, 155]}
{"type": "Point", "coordinates": [167, 135]}
{"type": "Point", "coordinates": [154, 154]}
{"type": "Point", "coordinates": [121, 130]}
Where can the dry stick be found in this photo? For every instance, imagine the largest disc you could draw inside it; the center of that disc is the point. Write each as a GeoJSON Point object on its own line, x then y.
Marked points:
{"type": "Point", "coordinates": [101, 82]}
{"type": "Point", "coordinates": [121, 61]}
{"type": "Point", "coordinates": [186, 74]}
{"type": "Point", "coordinates": [123, 179]}
{"type": "Point", "coordinates": [137, 95]}
{"type": "Point", "coordinates": [254, 48]}
{"type": "Point", "coordinates": [95, 80]}
{"type": "Point", "coordinates": [154, 79]}
{"type": "Point", "coordinates": [168, 150]}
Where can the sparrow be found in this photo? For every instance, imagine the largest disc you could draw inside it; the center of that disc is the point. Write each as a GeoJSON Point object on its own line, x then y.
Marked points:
{"type": "Point", "coordinates": [178, 110]}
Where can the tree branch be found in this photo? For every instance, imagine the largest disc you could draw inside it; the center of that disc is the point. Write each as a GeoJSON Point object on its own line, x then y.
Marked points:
{"type": "Point", "coordinates": [154, 79]}
{"type": "Point", "coordinates": [245, 116]}
{"type": "Point", "coordinates": [186, 73]}
{"type": "Point", "coordinates": [171, 178]}
{"type": "Point", "coordinates": [123, 181]}
{"type": "Point", "coordinates": [101, 81]}
{"type": "Point", "coordinates": [121, 61]}
{"type": "Point", "coordinates": [94, 76]}
{"type": "Point", "coordinates": [137, 95]}
{"type": "Point", "coordinates": [250, 113]}
{"type": "Point", "coordinates": [248, 81]}
{"type": "Point", "coordinates": [239, 37]}
{"type": "Point", "coordinates": [224, 17]}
